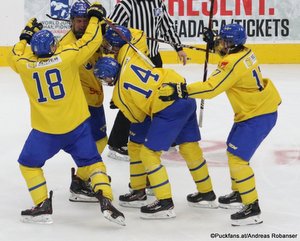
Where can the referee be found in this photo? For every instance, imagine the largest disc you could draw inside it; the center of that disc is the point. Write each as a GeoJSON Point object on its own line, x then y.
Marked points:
{"type": "Point", "coordinates": [152, 17]}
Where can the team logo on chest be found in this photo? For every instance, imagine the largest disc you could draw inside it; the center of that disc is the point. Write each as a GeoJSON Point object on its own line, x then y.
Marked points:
{"type": "Point", "coordinates": [223, 64]}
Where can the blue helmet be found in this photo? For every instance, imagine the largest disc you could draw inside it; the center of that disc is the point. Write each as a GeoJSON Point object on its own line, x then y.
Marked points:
{"type": "Point", "coordinates": [234, 34]}
{"type": "Point", "coordinates": [79, 9]}
{"type": "Point", "coordinates": [42, 42]}
{"type": "Point", "coordinates": [107, 67]}
{"type": "Point", "coordinates": [114, 39]}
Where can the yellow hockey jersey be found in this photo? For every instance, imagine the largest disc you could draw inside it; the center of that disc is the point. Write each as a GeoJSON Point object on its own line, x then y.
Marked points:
{"type": "Point", "coordinates": [239, 75]}
{"type": "Point", "coordinates": [136, 91]}
{"type": "Point", "coordinates": [92, 88]}
{"type": "Point", "coordinates": [57, 101]}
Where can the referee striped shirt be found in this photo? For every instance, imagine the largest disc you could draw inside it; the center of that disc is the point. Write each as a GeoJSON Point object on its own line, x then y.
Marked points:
{"type": "Point", "coordinates": [151, 16]}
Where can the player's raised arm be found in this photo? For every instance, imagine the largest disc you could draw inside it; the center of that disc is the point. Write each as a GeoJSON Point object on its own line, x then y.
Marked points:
{"type": "Point", "coordinates": [92, 38]}
{"type": "Point", "coordinates": [31, 28]}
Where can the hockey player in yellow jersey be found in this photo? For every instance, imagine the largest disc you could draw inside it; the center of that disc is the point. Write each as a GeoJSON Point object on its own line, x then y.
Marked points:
{"type": "Point", "coordinates": [59, 113]}
{"type": "Point", "coordinates": [155, 126]}
{"type": "Point", "coordinates": [254, 100]}
{"type": "Point", "coordinates": [93, 91]}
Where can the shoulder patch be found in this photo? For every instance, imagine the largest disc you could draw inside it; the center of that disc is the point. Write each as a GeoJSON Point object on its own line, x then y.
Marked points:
{"type": "Point", "coordinates": [157, 12]}
{"type": "Point", "coordinates": [249, 61]}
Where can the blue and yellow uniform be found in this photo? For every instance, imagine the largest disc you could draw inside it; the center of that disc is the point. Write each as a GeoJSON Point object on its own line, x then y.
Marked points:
{"type": "Point", "coordinates": [59, 111]}
{"type": "Point", "coordinates": [239, 76]}
{"type": "Point", "coordinates": [254, 100]}
{"type": "Point", "coordinates": [136, 95]}
{"type": "Point", "coordinates": [93, 92]}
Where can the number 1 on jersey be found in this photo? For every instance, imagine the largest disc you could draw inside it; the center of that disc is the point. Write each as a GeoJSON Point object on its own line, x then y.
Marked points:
{"type": "Point", "coordinates": [256, 77]}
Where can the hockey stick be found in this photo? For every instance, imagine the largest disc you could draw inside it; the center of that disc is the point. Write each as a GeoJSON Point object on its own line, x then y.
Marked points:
{"type": "Point", "coordinates": [58, 19]}
{"type": "Point", "coordinates": [179, 45]}
{"type": "Point", "coordinates": [123, 37]}
{"type": "Point", "coordinates": [206, 62]}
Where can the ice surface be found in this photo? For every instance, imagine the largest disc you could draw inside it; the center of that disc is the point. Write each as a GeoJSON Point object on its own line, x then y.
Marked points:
{"type": "Point", "coordinates": [276, 165]}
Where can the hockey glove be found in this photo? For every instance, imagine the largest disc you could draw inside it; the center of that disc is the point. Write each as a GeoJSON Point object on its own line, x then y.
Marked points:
{"type": "Point", "coordinates": [209, 37]}
{"type": "Point", "coordinates": [173, 91]}
{"type": "Point", "coordinates": [31, 28]}
{"type": "Point", "coordinates": [96, 10]}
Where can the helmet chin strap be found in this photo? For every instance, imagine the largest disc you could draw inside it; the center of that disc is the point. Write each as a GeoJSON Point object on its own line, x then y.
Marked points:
{"type": "Point", "coordinates": [235, 49]}
{"type": "Point", "coordinates": [227, 49]}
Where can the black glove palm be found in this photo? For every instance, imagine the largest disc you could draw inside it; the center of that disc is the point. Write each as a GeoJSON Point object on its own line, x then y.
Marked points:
{"type": "Point", "coordinates": [31, 28]}
{"type": "Point", "coordinates": [209, 37]}
{"type": "Point", "coordinates": [96, 10]}
{"type": "Point", "coordinates": [173, 91]}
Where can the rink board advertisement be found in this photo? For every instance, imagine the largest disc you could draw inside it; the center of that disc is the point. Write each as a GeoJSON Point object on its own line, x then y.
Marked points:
{"type": "Point", "coordinates": [272, 26]}
{"type": "Point", "coordinates": [265, 21]}
{"type": "Point", "coordinates": [59, 9]}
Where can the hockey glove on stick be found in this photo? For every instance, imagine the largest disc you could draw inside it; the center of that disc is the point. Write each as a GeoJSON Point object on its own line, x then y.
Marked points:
{"type": "Point", "coordinates": [173, 91]}
{"type": "Point", "coordinates": [31, 28]}
{"type": "Point", "coordinates": [209, 37]}
{"type": "Point", "coordinates": [96, 10]}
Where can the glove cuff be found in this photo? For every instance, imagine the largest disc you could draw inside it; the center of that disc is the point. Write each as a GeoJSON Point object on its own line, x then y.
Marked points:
{"type": "Point", "coordinates": [182, 91]}
{"type": "Point", "coordinates": [26, 37]}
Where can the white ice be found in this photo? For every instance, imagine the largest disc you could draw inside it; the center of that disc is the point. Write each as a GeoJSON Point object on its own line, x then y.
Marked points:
{"type": "Point", "coordinates": [276, 165]}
